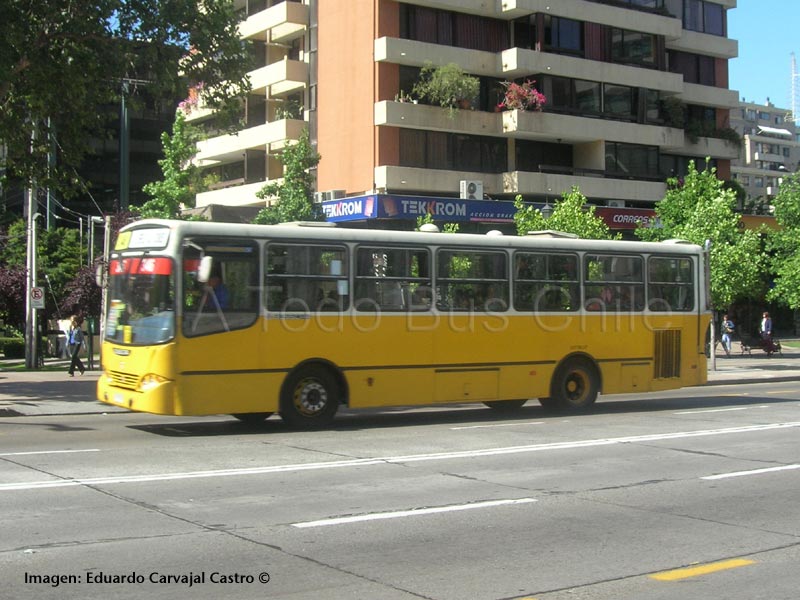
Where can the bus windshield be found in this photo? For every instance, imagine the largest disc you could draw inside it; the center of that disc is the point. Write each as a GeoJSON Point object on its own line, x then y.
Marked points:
{"type": "Point", "coordinates": [141, 307]}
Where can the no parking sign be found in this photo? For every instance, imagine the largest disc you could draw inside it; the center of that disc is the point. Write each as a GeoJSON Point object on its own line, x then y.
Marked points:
{"type": "Point", "coordinates": [37, 297]}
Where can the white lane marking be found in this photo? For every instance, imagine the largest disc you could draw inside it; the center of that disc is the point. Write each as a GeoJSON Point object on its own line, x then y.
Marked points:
{"type": "Point", "coordinates": [498, 425]}
{"type": "Point", "coordinates": [57, 483]}
{"type": "Point", "coordinates": [49, 452]}
{"type": "Point", "coordinates": [414, 512]}
{"type": "Point", "coordinates": [751, 472]}
{"type": "Point", "coordinates": [713, 410]}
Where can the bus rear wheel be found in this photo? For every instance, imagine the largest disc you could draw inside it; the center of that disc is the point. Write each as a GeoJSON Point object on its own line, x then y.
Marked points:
{"type": "Point", "coordinates": [506, 405]}
{"type": "Point", "coordinates": [252, 418]}
{"type": "Point", "coordinates": [575, 385]}
{"type": "Point", "coordinates": [310, 398]}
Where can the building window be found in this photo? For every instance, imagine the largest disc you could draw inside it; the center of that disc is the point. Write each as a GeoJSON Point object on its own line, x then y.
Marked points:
{"type": "Point", "coordinates": [760, 182]}
{"type": "Point", "coordinates": [705, 17]}
{"type": "Point", "coordinates": [564, 35]}
{"type": "Point", "coordinates": [695, 68]}
{"type": "Point", "coordinates": [764, 116]}
{"type": "Point", "coordinates": [449, 151]}
{"type": "Point", "coordinates": [618, 100]}
{"type": "Point", "coordinates": [545, 157]}
{"type": "Point", "coordinates": [632, 161]}
{"type": "Point", "coordinates": [633, 47]}
{"type": "Point", "coordinates": [745, 180]}
{"type": "Point", "coordinates": [450, 28]}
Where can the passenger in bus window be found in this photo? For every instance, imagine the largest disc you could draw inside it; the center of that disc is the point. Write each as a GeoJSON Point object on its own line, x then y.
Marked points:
{"type": "Point", "coordinates": [218, 296]}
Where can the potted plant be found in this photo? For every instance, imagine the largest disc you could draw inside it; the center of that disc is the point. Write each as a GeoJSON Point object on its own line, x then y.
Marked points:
{"type": "Point", "coordinates": [446, 85]}
{"type": "Point", "coordinates": [522, 96]}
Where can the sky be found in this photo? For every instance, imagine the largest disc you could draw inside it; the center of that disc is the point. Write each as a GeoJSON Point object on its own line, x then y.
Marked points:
{"type": "Point", "coordinates": [768, 31]}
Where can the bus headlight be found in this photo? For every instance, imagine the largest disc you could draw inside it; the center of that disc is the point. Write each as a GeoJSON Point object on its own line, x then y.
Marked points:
{"type": "Point", "coordinates": [151, 380]}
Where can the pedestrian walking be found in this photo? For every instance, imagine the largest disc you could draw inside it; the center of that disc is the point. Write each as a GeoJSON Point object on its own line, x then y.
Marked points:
{"type": "Point", "coordinates": [727, 331]}
{"type": "Point", "coordinates": [75, 340]}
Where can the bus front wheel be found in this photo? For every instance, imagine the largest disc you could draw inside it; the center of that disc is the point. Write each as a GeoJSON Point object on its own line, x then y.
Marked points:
{"type": "Point", "coordinates": [310, 398]}
{"type": "Point", "coordinates": [575, 385]}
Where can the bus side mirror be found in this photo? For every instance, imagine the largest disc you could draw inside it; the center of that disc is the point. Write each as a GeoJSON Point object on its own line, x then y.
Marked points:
{"type": "Point", "coordinates": [204, 270]}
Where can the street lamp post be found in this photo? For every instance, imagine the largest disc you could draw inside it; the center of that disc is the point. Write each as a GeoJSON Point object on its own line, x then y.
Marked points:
{"type": "Point", "coordinates": [712, 352]}
{"type": "Point", "coordinates": [547, 210]}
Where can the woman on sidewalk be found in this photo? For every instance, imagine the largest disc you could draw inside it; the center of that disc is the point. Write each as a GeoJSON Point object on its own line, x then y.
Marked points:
{"type": "Point", "coordinates": [75, 342]}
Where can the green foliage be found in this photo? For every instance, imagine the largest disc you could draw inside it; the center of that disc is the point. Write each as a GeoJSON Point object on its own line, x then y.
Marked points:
{"type": "Point", "coordinates": [699, 208]}
{"type": "Point", "coordinates": [785, 244]}
{"type": "Point", "coordinates": [182, 179]}
{"type": "Point", "coordinates": [447, 86]}
{"type": "Point", "coordinates": [570, 215]}
{"type": "Point", "coordinates": [58, 258]}
{"type": "Point", "coordinates": [64, 63]}
{"type": "Point", "coordinates": [13, 348]}
{"type": "Point", "coordinates": [428, 219]}
{"type": "Point", "coordinates": [295, 195]}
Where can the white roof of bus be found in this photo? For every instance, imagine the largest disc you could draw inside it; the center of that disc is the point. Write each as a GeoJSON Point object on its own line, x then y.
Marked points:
{"type": "Point", "coordinates": [326, 231]}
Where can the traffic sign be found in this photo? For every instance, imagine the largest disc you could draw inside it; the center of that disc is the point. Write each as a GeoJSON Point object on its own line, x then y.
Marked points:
{"type": "Point", "coordinates": [37, 297]}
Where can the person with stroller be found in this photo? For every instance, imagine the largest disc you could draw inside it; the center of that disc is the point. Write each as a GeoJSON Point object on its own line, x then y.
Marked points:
{"type": "Point", "coordinates": [765, 330]}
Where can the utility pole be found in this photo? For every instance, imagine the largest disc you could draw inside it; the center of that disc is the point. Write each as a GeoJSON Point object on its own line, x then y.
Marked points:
{"type": "Point", "coordinates": [31, 324]}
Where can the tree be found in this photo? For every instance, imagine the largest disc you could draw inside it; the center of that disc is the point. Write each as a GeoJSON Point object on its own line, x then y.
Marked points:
{"type": "Point", "coordinates": [295, 195]}
{"type": "Point", "coordinates": [64, 63]}
{"type": "Point", "coordinates": [784, 244]}
{"type": "Point", "coordinates": [13, 286]}
{"type": "Point", "coordinates": [699, 208]}
{"type": "Point", "coordinates": [570, 215]}
{"type": "Point", "coordinates": [82, 295]}
{"type": "Point", "coordinates": [182, 179]}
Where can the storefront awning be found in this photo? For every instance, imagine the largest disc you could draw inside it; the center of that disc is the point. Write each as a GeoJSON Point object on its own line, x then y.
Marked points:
{"type": "Point", "coordinates": [387, 206]}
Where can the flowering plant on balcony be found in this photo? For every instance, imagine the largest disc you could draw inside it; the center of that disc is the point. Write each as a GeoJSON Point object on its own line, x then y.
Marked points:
{"type": "Point", "coordinates": [522, 96]}
{"type": "Point", "coordinates": [192, 100]}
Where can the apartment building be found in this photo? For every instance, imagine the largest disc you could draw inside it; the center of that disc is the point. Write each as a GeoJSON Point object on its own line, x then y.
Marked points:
{"type": "Point", "coordinates": [635, 89]}
{"type": "Point", "coordinates": [770, 149]}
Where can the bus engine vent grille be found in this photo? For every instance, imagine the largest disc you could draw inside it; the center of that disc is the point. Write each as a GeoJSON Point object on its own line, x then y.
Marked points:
{"type": "Point", "coordinates": [124, 380]}
{"type": "Point", "coordinates": [667, 353]}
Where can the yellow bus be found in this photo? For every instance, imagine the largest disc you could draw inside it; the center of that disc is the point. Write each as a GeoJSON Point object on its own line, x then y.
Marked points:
{"type": "Point", "coordinates": [298, 319]}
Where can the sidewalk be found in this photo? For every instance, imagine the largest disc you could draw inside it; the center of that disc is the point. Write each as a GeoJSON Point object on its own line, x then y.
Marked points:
{"type": "Point", "coordinates": [54, 392]}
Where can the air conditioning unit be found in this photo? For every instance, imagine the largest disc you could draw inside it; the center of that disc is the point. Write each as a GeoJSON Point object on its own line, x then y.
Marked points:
{"type": "Point", "coordinates": [319, 197]}
{"type": "Point", "coordinates": [471, 190]}
{"type": "Point", "coordinates": [334, 194]}
{"type": "Point", "coordinates": [616, 203]}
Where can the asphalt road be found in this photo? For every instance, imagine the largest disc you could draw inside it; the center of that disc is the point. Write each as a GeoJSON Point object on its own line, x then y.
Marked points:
{"type": "Point", "coordinates": [439, 503]}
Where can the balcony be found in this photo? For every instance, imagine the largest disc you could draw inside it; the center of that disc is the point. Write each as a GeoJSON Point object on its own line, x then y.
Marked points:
{"type": "Point", "coordinates": [280, 78]}
{"type": "Point", "coordinates": [280, 24]}
{"type": "Point", "coordinates": [593, 12]}
{"type": "Point", "coordinates": [518, 62]}
{"type": "Point", "coordinates": [704, 43]}
{"type": "Point", "coordinates": [432, 181]}
{"type": "Point", "coordinates": [435, 181]}
{"type": "Point", "coordinates": [705, 95]}
{"type": "Point", "coordinates": [416, 54]}
{"type": "Point", "coordinates": [271, 137]}
{"type": "Point", "coordinates": [555, 184]}
{"type": "Point", "coordinates": [434, 118]}
{"type": "Point", "coordinates": [575, 129]}
{"type": "Point", "coordinates": [708, 146]}
{"type": "Point", "coordinates": [235, 195]}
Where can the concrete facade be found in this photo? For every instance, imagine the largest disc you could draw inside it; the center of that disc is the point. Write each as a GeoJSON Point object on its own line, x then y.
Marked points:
{"type": "Point", "coordinates": [635, 90]}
